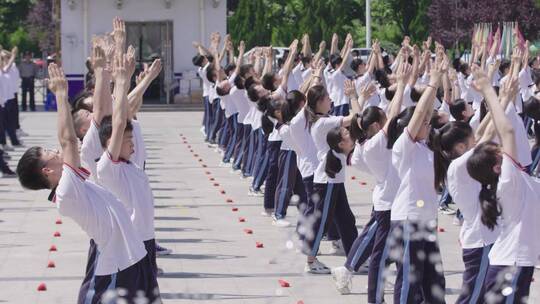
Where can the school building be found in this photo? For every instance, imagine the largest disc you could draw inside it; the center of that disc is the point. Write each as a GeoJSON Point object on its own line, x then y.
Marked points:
{"type": "Point", "coordinates": [156, 28]}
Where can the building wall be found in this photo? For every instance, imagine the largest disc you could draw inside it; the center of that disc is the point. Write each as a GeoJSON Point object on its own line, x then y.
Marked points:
{"type": "Point", "coordinates": [185, 15]}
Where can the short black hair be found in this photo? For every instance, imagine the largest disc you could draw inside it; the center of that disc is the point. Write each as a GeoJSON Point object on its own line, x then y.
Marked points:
{"type": "Point", "coordinates": [198, 60]}
{"type": "Point", "coordinates": [105, 129]}
{"type": "Point", "coordinates": [221, 91]}
{"type": "Point", "coordinates": [29, 170]}
{"type": "Point", "coordinates": [267, 81]}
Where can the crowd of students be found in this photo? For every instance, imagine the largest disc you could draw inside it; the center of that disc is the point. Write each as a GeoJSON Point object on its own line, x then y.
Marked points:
{"type": "Point", "coordinates": [9, 109]}
{"type": "Point", "coordinates": [430, 131]}
{"type": "Point", "coordinates": [98, 179]}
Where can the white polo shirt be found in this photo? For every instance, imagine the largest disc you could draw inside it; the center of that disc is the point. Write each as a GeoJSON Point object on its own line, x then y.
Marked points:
{"type": "Point", "coordinates": [518, 193]}
{"type": "Point", "coordinates": [319, 130]}
{"type": "Point", "coordinates": [130, 184]}
{"type": "Point", "coordinates": [91, 150]}
{"type": "Point", "coordinates": [522, 141]}
{"type": "Point", "coordinates": [139, 155]}
{"type": "Point", "coordinates": [337, 95]}
{"type": "Point", "coordinates": [416, 198]}
{"type": "Point", "coordinates": [238, 97]}
{"type": "Point", "coordinates": [205, 83]}
{"type": "Point", "coordinates": [5, 87]}
{"type": "Point", "coordinates": [464, 191]}
{"type": "Point", "coordinates": [101, 215]}
{"type": "Point", "coordinates": [227, 101]}
{"type": "Point", "coordinates": [307, 151]}
{"type": "Point", "coordinates": [292, 84]}
{"type": "Point", "coordinates": [378, 160]}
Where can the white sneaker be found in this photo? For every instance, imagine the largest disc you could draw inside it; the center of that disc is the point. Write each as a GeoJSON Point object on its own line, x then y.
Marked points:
{"type": "Point", "coordinates": [224, 165]}
{"type": "Point", "coordinates": [457, 221]}
{"type": "Point", "coordinates": [202, 131]}
{"type": "Point", "coordinates": [281, 223]}
{"type": "Point", "coordinates": [21, 133]}
{"type": "Point", "coordinates": [267, 212]}
{"type": "Point", "coordinates": [316, 268]}
{"type": "Point", "coordinates": [343, 279]}
{"type": "Point", "coordinates": [336, 248]}
{"type": "Point", "coordinates": [253, 192]}
{"type": "Point", "coordinates": [447, 210]}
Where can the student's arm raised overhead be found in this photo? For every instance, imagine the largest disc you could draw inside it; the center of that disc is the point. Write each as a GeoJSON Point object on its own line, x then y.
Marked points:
{"type": "Point", "coordinates": [268, 53]}
{"type": "Point", "coordinates": [415, 66]}
{"type": "Point", "coordinates": [424, 107]}
{"type": "Point", "coordinates": [230, 52]}
{"type": "Point", "coordinates": [102, 97]}
{"type": "Point", "coordinates": [135, 97]}
{"type": "Point", "coordinates": [240, 59]}
{"type": "Point", "coordinates": [502, 123]}
{"type": "Point", "coordinates": [322, 47]}
{"type": "Point", "coordinates": [11, 59]}
{"type": "Point", "coordinates": [120, 111]}
{"type": "Point", "coordinates": [402, 75]}
{"type": "Point", "coordinates": [334, 44]}
{"type": "Point", "coordinates": [306, 46]}
{"type": "Point", "coordinates": [288, 66]}
{"type": "Point", "coordinates": [66, 131]}
{"type": "Point", "coordinates": [119, 35]}
{"type": "Point", "coordinates": [257, 66]}
{"type": "Point", "coordinates": [346, 52]}
{"type": "Point", "coordinates": [224, 49]}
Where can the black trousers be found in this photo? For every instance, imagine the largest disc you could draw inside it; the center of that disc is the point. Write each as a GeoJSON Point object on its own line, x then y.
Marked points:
{"type": "Point", "coordinates": [517, 280]}
{"type": "Point", "coordinates": [8, 122]}
{"type": "Point", "coordinates": [138, 278]}
{"type": "Point", "coordinates": [331, 203]}
{"type": "Point", "coordinates": [415, 249]}
{"type": "Point", "coordinates": [27, 87]}
{"type": "Point", "coordinates": [476, 265]}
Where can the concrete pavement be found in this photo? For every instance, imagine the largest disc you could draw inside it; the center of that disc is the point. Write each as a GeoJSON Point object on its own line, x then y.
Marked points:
{"type": "Point", "coordinates": [214, 260]}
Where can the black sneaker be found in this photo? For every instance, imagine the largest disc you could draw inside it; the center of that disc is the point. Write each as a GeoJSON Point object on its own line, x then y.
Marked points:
{"type": "Point", "coordinates": [161, 251]}
{"type": "Point", "coordinates": [7, 173]}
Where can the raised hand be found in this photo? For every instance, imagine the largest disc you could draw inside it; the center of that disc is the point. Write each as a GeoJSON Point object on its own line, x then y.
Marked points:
{"type": "Point", "coordinates": [242, 47]}
{"type": "Point", "coordinates": [509, 88]}
{"type": "Point", "coordinates": [481, 80]}
{"type": "Point", "coordinates": [119, 34]}
{"type": "Point", "coordinates": [57, 81]}
{"type": "Point", "coordinates": [493, 67]}
{"type": "Point", "coordinates": [196, 44]}
{"type": "Point", "coordinates": [99, 60]}
{"type": "Point", "coordinates": [350, 90]}
{"type": "Point", "coordinates": [368, 90]}
{"type": "Point", "coordinates": [154, 69]}
{"type": "Point", "coordinates": [403, 73]}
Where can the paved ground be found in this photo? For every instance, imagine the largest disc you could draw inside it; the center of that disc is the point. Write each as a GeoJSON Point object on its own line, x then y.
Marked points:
{"type": "Point", "coordinates": [214, 260]}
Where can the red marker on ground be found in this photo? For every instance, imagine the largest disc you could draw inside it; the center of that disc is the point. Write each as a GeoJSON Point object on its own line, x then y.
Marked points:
{"type": "Point", "coordinates": [441, 229]}
{"type": "Point", "coordinates": [42, 287]}
{"type": "Point", "coordinates": [56, 234]}
{"type": "Point", "coordinates": [234, 209]}
{"type": "Point", "coordinates": [248, 231]}
{"type": "Point", "coordinates": [222, 191]}
{"type": "Point", "coordinates": [58, 222]}
{"type": "Point", "coordinates": [259, 245]}
{"type": "Point", "coordinates": [52, 248]}
{"type": "Point", "coordinates": [51, 264]}
{"type": "Point", "coordinates": [229, 200]}
{"type": "Point", "coordinates": [241, 219]}
{"type": "Point", "coordinates": [353, 177]}
{"type": "Point", "coordinates": [284, 283]}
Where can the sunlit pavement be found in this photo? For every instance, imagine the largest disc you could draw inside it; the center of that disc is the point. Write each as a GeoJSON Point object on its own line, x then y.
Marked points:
{"type": "Point", "coordinates": [198, 211]}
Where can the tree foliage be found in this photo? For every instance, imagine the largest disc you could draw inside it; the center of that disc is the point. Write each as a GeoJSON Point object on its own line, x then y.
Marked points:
{"type": "Point", "coordinates": [12, 24]}
{"type": "Point", "coordinates": [452, 21]}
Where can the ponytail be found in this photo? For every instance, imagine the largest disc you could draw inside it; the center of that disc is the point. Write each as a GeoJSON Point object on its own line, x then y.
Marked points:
{"type": "Point", "coordinates": [480, 167]}
{"type": "Point", "coordinates": [362, 122]}
{"type": "Point", "coordinates": [333, 163]}
{"type": "Point", "coordinates": [442, 142]}
{"type": "Point", "coordinates": [398, 124]}
{"type": "Point", "coordinates": [269, 106]}
{"type": "Point", "coordinates": [491, 209]}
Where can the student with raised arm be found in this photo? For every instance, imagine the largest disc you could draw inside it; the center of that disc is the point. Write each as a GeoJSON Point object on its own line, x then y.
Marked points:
{"type": "Point", "coordinates": [332, 202]}
{"type": "Point", "coordinates": [123, 262]}
{"type": "Point", "coordinates": [370, 132]}
{"type": "Point", "coordinates": [337, 79]}
{"type": "Point", "coordinates": [414, 210]}
{"type": "Point", "coordinates": [115, 170]}
{"type": "Point", "coordinates": [512, 197]}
